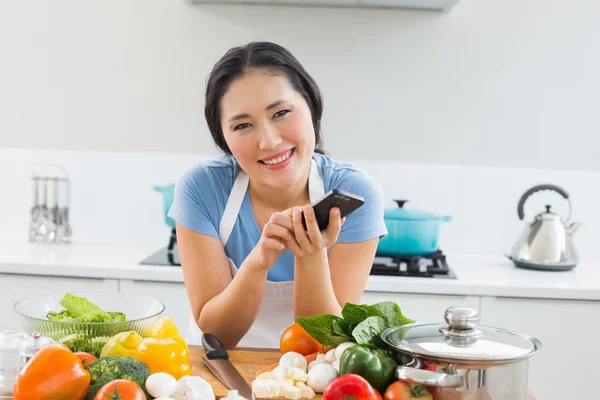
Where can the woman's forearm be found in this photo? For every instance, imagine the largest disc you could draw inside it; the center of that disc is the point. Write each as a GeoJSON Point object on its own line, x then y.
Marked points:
{"type": "Point", "coordinates": [313, 291]}
{"type": "Point", "coordinates": [230, 314]}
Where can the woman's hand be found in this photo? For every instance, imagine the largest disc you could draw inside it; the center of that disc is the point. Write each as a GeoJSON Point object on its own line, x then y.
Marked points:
{"type": "Point", "coordinates": [312, 240]}
{"type": "Point", "coordinates": [272, 243]}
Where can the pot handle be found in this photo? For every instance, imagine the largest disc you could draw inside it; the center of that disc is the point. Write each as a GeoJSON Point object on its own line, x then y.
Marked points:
{"type": "Point", "coordinates": [428, 378]}
{"type": "Point", "coordinates": [538, 188]}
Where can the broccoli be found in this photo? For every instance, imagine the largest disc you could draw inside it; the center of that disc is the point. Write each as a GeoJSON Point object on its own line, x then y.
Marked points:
{"type": "Point", "coordinates": [108, 368]}
{"type": "Point", "coordinates": [104, 379]}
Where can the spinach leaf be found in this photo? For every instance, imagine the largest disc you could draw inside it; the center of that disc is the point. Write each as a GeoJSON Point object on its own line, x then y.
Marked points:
{"type": "Point", "coordinates": [390, 312]}
{"type": "Point", "coordinates": [340, 327]}
{"type": "Point", "coordinates": [320, 328]}
{"type": "Point", "coordinates": [356, 313]}
{"type": "Point", "coordinates": [367, 332]}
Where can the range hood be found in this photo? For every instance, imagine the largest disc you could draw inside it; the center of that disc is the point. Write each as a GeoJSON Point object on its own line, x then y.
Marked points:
{"type": "Point", "coordinates": [432, 5]}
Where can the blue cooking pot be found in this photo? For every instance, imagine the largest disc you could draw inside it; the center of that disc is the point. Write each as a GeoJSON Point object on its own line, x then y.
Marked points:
{"type": "Point", "coordinates": [168, 193]}
{"type": "Point", "coordinates": [410, 232]}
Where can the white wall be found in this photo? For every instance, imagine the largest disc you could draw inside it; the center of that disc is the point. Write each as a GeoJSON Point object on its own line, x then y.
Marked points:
{"type": "Point", "coordinates": [112, 200]}
{"type": "Point", "coordinates": [509, 82]}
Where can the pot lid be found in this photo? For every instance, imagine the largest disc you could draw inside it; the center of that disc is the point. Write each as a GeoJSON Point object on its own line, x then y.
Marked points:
{"type": "Point", "coordinates": [402, 213]}
{"type": "Point", "coordinates": [460, 339]}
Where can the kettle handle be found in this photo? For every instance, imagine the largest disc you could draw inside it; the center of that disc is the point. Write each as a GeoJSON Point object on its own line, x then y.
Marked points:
{"type": "Point", "coordinates": [538, 188]}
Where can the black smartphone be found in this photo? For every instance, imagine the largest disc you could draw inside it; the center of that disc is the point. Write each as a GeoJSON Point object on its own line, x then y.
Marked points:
{"type": "Point", "coordinates": [346, 202]}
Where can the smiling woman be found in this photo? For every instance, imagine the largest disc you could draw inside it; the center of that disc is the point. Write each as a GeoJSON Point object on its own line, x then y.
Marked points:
{"type": "Point", "coordinates": [249, 265]}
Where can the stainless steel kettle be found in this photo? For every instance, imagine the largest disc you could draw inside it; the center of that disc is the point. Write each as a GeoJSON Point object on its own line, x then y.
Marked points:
{"type": "Point", "coordinates": [547, 242]}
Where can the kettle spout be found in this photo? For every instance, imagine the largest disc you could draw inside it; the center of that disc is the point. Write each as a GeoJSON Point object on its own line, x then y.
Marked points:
{"type": "Point", "coordinates": [573, 227]}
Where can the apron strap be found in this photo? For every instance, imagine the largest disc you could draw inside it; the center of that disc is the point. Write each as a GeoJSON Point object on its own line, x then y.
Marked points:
{"type": "Point", "coordinates": [234, 204]}
{"type": "Point", "coordinates": [316, 187]}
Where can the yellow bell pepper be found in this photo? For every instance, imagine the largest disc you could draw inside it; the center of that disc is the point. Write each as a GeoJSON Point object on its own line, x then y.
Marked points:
{"type": "Point", "coordinates": [164, 350]}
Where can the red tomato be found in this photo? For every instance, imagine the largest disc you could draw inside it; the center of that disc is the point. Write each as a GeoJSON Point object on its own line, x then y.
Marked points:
{"type": "Point", "coordinates": [295, 338]}
{"type": "Point", "coordinates": [120, 389]}
{"type": "Point", "coordinates": [400, 390]}
{"type": "Point", "coordinates": [86, 358]}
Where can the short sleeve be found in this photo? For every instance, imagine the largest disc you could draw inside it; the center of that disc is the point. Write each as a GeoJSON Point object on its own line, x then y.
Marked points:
{"type": "Point", "coordinates": [366, 222]}
{"type": "Point", "coordinates": [194, 203]}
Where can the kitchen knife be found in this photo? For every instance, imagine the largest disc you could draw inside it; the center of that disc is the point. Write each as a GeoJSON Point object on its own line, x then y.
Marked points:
{"type": "Point", "coordinates": [217, 361]}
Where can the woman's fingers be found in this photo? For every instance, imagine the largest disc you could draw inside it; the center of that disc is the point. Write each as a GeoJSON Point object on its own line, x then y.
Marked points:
{"type": "Point", "coordinates": [273, 244]}
{"type": "Point", "coordinates": [299, 232]}
{"type": "Point", "coordinates": [283, 219]}
{"type": "Point", "coordinates": [277, 231]}
{"type": "Point", "coordinates": [312, 227]}
{"type": "Point", "coordinates": [335, 225]}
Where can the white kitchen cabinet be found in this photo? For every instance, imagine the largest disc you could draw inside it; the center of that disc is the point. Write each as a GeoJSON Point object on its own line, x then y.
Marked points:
{"type": "Point", "coordinates": [423, 308]}
{"type": "Point", "coordinates": [15, 287]}
{"type": "Point", "coordinates": [565, 368]}
{"type": "Point", "coordinates": [172, 294]}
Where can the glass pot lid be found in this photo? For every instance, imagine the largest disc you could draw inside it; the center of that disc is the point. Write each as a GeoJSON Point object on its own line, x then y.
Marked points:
{"type": "Point", "coordinates": [460, 339]}
{"type": "Point", "coordinates": [408, 214]}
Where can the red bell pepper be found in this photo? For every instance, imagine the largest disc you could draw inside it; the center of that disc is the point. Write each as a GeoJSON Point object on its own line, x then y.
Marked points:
{"type": "Point", "coordinates": [350, 387]}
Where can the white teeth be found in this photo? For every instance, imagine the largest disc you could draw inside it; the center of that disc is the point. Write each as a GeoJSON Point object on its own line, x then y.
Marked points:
{"type": "Point", "coordinates": [278, 160]}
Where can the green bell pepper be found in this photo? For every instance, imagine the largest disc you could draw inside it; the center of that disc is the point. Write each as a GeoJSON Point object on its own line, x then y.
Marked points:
{"type": "Point", "coordinates": [375, 365]}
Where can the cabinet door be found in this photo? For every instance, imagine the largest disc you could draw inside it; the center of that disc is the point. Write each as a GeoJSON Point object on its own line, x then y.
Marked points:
{"type": "Point", "coordinates": [172, 294]}
{"type": "Point", "coordinates": [565, 367]}
{"type": "Point", "coordinates": [16, 287]}
{"type": "Point", "coordinates": [423, 308]}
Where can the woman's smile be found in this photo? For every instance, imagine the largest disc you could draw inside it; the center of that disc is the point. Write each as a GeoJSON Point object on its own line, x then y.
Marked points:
{"type": "Point", "coordinates": [278, 161]}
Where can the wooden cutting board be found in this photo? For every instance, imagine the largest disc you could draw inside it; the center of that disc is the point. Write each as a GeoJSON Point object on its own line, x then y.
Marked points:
{"type": "Point", "coordinates": [246, 361]}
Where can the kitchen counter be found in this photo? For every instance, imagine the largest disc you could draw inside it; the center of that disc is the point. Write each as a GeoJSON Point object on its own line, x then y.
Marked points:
{"type": "Point", "coordinates": [247, 362]}
{"type": "Point", "coordinates": [477, 275]}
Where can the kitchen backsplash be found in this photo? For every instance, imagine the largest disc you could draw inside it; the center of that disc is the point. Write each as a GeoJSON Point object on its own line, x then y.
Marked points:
{"type": "Point", "coordinates": [112, 197]}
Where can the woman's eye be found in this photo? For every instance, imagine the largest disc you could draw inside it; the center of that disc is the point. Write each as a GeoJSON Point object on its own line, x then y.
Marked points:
{"type": "Point", "coordinates": [241, 126]}
{"type": "Point", "coordinates": [281, 113]}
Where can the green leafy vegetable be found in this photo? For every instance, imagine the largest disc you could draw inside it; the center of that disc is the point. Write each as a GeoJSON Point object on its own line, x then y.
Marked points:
{"type": "Point", "coordinates": [80, 309]}
{"type": "Point", "coordinates": [341, 328]}
{"type": "Point", "coordinates": [361, 323]}
{"type": "Point", "coordinates": [355, 313]}
{"type": "Point", "coordinates": [367, 332]}
{"type": "Point", "coordinates": [320, 327]}
{"type": "Point", "coordinates": [391, 313]}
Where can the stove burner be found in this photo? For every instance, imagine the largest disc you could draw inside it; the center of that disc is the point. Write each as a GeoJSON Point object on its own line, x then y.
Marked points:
{"type": "Point", "coordinates": [427, 266]}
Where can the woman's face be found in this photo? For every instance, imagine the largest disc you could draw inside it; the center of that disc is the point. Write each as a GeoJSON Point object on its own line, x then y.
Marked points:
{"type": "Point", "coordinates": [268, 128]}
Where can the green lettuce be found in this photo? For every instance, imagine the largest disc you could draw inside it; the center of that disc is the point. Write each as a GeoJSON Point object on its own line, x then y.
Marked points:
{"type": "Point", "coordinates": [80, 309]}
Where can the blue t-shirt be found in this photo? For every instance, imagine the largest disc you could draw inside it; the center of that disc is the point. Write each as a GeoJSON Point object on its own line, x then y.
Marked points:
{"type": "Point", "coordinates": [202, 192]}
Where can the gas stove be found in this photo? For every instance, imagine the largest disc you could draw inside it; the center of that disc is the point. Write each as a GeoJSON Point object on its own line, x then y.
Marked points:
{"type": "Point", "coordinates": [167, 256]}
{"type": "Point", "coordinates": [427, 266]}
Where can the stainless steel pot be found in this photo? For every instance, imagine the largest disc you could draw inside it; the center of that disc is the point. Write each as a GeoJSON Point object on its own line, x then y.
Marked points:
{"type": "Point", "coordinates": [460, 360]}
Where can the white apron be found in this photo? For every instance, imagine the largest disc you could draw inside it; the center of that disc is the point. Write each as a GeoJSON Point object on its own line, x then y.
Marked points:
{"type": "Point", "coordinates": [277, 308]}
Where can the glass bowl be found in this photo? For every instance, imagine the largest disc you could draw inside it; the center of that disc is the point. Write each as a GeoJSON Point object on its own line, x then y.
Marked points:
{"type": "Point", "coordinates": [141, 313]}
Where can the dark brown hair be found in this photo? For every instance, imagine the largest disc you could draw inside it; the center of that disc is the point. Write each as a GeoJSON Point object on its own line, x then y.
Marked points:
{"type": "Point", "coordinates": [269, 57]}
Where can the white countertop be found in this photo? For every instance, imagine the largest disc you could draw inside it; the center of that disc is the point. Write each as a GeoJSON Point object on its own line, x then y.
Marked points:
{"type": "Point", "coordinates": [477, 275]}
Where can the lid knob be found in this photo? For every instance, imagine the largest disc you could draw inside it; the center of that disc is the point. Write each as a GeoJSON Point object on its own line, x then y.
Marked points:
{"type": "Point", "coordinates": [401, 202]}
{"type": "Point", "coordinates": [462, 318]}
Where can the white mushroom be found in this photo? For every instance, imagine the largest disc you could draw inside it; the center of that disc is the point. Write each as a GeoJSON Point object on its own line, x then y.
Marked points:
{"type": "Point", "coordinates": [340, 349]}
{"type": "Point", "coordinates": [330, 356]}
{"type": "Point", "coordinates": [336, 365]}
{"type": "Point", "coordinates": [292, 359]}
{"type": "Point", "coordinates": [320, 376]}
{"type": "Point", "coordinates": [319, 360]}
